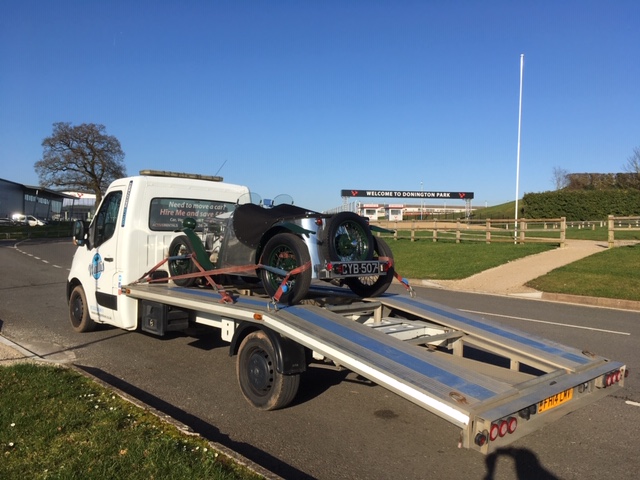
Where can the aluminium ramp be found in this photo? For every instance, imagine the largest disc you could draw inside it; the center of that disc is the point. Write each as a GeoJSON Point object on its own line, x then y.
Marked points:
{"type": "Point", "coordinates": [471, 394]}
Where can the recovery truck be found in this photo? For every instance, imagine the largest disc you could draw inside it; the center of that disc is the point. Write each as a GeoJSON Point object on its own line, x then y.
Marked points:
{"type": "Point", "coordinates": [495, 383]}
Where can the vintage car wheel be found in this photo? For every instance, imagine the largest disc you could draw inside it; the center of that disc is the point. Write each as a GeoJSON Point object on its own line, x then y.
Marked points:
{"type": "Point", "coordinates": [260, 382]}
{"type": "Point", "coordinates": [180, 246]}
{"type": "Point", "coordinates": [373, 285]}
{"type": "Point", "coordinates": [347, 238]}
{"type": "Point", "coordinates": [286, 251]}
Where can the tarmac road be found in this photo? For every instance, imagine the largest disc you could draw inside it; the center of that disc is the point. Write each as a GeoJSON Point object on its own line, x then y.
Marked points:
{"type": "Point", "coordinates": [341, 426]}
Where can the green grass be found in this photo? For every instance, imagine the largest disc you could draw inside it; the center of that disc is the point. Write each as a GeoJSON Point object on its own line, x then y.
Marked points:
{"type": "Point", "coordinates": [20, 232]}
{"type": "Point", "coordinates": [613, 273]}
{"type": "Point", "coordinates": [55, 423]}
{"type": "Point", "coordinates": [451, 261]}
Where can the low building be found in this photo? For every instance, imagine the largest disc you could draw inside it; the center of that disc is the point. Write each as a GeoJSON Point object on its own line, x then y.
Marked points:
{"type": "Point", "coordinates": [18, 199]}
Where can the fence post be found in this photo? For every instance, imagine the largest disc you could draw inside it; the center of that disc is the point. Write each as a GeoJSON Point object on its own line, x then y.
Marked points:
{"type": "Point", "coordinates": [610, 227]}
{"type": "Point", "coordinates": [488, 231]}
{"type": "Point", "coordinates": [413, 231]}
{"type": "Point", "coordinates": [523, 225]}
{"type": "Point", "coordinates": [458, 231]}
{"type": "Point", "coordinates": [563, 231]}
{"type": "Point", "coordinates": [435, 231]}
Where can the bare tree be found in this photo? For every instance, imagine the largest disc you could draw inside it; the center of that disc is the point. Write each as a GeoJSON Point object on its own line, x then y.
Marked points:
{"type": "Point", "coordinates": [633, 162]}
{"type": "Point", "coordinates": [560, 178]}
{"type": "Point", "coordinates": [82, 158]}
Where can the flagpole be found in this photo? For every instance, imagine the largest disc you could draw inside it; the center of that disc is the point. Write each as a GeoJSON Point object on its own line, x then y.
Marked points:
{"type": "Point", "coordinates": [518, 154]}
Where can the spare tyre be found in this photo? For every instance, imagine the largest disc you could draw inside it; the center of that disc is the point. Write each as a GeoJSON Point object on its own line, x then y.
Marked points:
{"type": "Point", "coordinates": [347, 238]}
{"type": "Point", "coordinates": [179, 261]}
{"type": "Point", "coordinates": [374, 285]}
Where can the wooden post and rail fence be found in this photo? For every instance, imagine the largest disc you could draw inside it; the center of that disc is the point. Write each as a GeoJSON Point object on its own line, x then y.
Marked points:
{"type": "Point", "coordinates": [552, 230]}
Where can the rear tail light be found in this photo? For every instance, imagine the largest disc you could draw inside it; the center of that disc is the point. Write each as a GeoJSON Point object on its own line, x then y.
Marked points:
{"type": "Point", "coordinates": [610, 379]}
{"type": "Point", "coordinates": [493, 431]}
{"type": "Point", "coordinates": [498, 429]}
{"type": "Point", "coordinates": [512, 424]}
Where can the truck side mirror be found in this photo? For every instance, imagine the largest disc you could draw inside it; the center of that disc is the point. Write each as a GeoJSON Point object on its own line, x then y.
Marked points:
{"type": "Point", "coordinates": [79, 234]}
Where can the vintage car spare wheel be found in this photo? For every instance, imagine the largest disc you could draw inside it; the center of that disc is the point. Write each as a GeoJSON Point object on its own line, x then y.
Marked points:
{"type": "Point", "coordinates": [347, 237]}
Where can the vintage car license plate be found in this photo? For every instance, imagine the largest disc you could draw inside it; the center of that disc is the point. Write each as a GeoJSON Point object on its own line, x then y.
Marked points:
{"type": "Point", "coordinates": [555, 400]}
{"type": "Point", "coordinates": [362, 268]}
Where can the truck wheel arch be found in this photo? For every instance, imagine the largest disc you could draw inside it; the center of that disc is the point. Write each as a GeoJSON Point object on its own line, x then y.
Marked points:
{"type": "Point", "coordinates": [291, 357]}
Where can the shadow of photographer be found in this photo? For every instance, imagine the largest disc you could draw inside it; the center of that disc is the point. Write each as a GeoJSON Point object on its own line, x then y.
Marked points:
{"type": "Point", "coordinates": [526, 463]}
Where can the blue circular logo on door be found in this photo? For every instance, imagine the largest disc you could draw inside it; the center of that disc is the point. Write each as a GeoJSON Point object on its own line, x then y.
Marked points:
{"type": "Point", "coordinates": [97, 266]}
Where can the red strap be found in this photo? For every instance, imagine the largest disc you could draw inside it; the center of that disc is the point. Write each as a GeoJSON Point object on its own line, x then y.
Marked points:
{"type": "Point", "coordinates": [295, 271]}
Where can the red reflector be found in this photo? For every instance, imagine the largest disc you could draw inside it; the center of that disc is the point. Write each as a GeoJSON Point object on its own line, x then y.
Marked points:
{"type": "Point", "coordinates": [512, 424]}
{"type": "Point", "coordinates": [481, 438]}
{"type": "Point", "coordinates": [319, 222]}
{"type": "Point", "coordinates": [503, 428]}
{"type": "Point", "coordinates": [493, 432]}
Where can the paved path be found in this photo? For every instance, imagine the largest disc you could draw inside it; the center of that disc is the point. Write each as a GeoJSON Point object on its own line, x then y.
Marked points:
{"type": "Point", "coordinates": [510, 278]}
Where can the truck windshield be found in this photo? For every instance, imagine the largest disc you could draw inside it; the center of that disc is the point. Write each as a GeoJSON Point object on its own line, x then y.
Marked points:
{"type": "Point", "coordinates": [167, 214]}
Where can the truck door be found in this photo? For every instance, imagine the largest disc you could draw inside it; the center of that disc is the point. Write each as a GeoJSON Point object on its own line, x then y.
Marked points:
{"type": "Point", "coordinates": [104, 241]}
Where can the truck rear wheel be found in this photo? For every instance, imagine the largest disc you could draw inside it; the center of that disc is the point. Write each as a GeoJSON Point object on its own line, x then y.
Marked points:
{"type": "Point", "coordinates": [373, 285]}
{"type": "Point", "coordinates": [285, 251]}
{"type": "Point", "coordinates": [181, 246]}
{"type": "Point", "coordinates": [260, 382]}
{"type": "Point", "coordinates": [79, 311]}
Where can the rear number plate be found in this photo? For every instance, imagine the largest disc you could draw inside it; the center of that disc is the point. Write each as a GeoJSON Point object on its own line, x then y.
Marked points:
{"type": "Point", "coordinates": [555, 400]}
{"type": "Point", "coordinates": [362, 268]}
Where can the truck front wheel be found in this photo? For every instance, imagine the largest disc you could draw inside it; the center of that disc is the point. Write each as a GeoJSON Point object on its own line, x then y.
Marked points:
{"type": "Point", "coordinates": [79, 311]}
{"type": "Point", "coordinates": [261, 384]}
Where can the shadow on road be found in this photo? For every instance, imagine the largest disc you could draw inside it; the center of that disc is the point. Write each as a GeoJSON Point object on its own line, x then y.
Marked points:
{"type": "Point", "coordinates": [206, 430]}
{"type": "Point", "coordinates": [527, 465]}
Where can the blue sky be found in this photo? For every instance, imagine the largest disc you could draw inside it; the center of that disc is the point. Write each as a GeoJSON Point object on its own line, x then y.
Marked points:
{"type": "Point", "coordinates": [312, 97]}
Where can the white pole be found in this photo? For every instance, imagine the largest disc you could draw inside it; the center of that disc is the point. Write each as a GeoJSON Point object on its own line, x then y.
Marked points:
{"type": "Point", "coordinates": [518, 154]}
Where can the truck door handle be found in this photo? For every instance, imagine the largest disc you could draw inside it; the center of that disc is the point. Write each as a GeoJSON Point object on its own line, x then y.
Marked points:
{"type": "Point", "coordinates": [108, 259]}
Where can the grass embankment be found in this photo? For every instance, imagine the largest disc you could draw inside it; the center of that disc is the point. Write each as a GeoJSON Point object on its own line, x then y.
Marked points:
{"type": "Point", "coordinates": [55, 423]}
{"type": "Point", "coordinates": [612, 273]}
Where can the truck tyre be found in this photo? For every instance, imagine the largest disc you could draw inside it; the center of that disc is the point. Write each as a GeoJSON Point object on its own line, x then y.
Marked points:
{"type": "Point", "coordinates": [261, 384]}
{"type": "Point", "coordinates": [373, 285]}
{"type": "Point", "coordinates": [180, 246]}
{"type": "Point", "coordinates": [79, 311]}
{"type": "Point", "coordinates": [286, 251]}
{"type": "Point", "coordinates": [346, 238]}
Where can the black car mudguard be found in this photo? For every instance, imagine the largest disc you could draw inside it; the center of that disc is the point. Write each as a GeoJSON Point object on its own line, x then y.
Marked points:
{"type": "Point", "coordinates": [251, 222]}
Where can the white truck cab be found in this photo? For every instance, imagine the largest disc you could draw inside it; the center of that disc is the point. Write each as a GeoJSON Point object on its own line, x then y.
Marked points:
{"type": "Point", "coordinates": [130, 233]}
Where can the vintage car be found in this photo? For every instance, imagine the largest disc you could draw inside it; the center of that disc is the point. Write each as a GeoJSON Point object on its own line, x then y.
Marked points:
{"type": "Point", "coordinates": [286, 247]}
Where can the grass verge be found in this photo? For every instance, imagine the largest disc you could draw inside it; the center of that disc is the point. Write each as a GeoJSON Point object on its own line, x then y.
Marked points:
{"type": "Point", "coordinates": [613, 273]}
{"type": "Point", "coordinates": [452, 261]}
{"type": "Point", "coordinates": [55, 423]}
